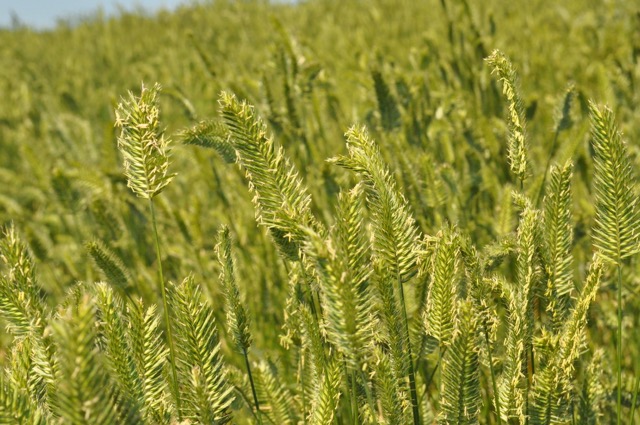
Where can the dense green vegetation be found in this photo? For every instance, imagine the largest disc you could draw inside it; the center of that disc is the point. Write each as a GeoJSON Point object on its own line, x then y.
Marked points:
{"type": "Point", "coordinates": [380, 212]}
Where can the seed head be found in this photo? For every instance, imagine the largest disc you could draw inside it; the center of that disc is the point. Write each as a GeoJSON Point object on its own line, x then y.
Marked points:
{"type": "Point", "coordinates": [142, 143]}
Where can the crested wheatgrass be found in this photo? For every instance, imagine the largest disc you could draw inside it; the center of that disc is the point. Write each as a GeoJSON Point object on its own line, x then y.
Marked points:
{"type": "Point", "coordinates": [146, 162]}
{"type": "Point", "coordinates": [407, 280]}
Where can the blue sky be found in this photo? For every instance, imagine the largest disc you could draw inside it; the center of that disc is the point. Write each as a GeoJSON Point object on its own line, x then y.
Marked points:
{"type": "Point", "coordinates": [42, 14]}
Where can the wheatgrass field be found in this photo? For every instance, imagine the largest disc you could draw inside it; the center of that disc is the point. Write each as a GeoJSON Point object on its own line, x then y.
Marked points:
{"type": "Point", "coordinates": [323, 212]}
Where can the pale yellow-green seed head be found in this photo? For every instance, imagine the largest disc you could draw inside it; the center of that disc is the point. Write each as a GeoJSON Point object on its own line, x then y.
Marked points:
{"type": "Point", "coordinates": [144, 148]}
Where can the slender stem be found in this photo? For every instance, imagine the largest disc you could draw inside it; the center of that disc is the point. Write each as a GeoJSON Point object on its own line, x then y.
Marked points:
{"type": "Point", "coordinates": [635, 399]}
{"type": "Point", "coordinates": [493, 375]}
{"type": "Point", "coordinates": [441, 353]}
{"type": "Point", "coordinates": [412, 376]}
{"type": "Point", "coordinates": [619, 348]}
{"type": "Point", "coordinates": [315, 299]}
{"type": "Point", "coordinates": [531, 372]}
{"type": "Point", "coordinates": [248, 402]}
{"type": "Point", "coordinates": [367, 390]}
{"type": "Point", "coordinates": [530, 359]}
{"type": "Point", "coordinates": [301, 376]}
{"type": "Point", "coordinates": [253, 387]}
{"type": "Point", "coordinates": [354, 398]}
{"type": "Point", "coordinates": [165, 307]}
{"type": "Point", "coordinates": [314, 303]}
{"type": "Point", "coordinates": [423, 344]}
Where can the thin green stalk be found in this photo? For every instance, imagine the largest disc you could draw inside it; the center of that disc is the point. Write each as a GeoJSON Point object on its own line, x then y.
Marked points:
{"type": "Point", "coordinates": [301, 376]}
{"type": "Point", "coordinates": [253, 387]}
{"type": "Point", "coordinates": [423, 344]}
{"type": "Point", "coordinates": [635, 399]}
{"type": "Point", "coordinates": [367, 390]}
{"type": "Point", "coordinates": [165, 305]}
{"type": "Point", "coordinates": [529, 382]}
{"type": "Point", "coordinates": [248, 402]}
{"type": "Point", "coordinates": [441, 353]}
{"type": "Point", "coordinates": [412, 377]}
{"type": "Point", "coordinates": [435, 369]}
{"type": "Point", "coordinates": [314, 303]}
{"type": "Point", "coordinates": [493, 375]}
{"type": "Point", "coordinates": [354, 398]}
{"type": "Point", "coordinates": [619, 347]}
{"type": "Point", "coordinates": [315, 299]}
{"type": "Point", "coordinates": [529, 355]}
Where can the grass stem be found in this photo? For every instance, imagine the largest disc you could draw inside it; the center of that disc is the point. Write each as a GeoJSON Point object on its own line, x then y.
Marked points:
{"type": "Point", "coordinates": [493, 375]}
{"type": "Point", "coordinates": [412, 377]}
{"type": "Point", "coordinates": [619, 346]}
{"type": "Point", "coordinates": [165, 307]}
{"type": "Point", "coordinates": [354, 398]}
{"type": "Point", "coordinates": [253, 386]}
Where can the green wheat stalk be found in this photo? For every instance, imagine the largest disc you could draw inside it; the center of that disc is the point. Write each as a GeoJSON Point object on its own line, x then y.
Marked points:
{"type": "Point", "coordinates": [238, 320]}
{"type": "Point", "coordinates": [395, 238]}
{"type": "Point", "coordinates": [616, 231]}
{"type": "Point", "coordinates": [146, 163]}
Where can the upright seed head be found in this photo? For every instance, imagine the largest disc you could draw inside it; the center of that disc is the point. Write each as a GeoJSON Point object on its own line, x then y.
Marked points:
{"type": "Point", "coordinates": [142, 143]}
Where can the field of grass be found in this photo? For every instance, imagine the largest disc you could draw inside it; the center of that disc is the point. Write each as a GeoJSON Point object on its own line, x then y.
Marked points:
{"type": "Point", "coordinates": [328, 212]}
